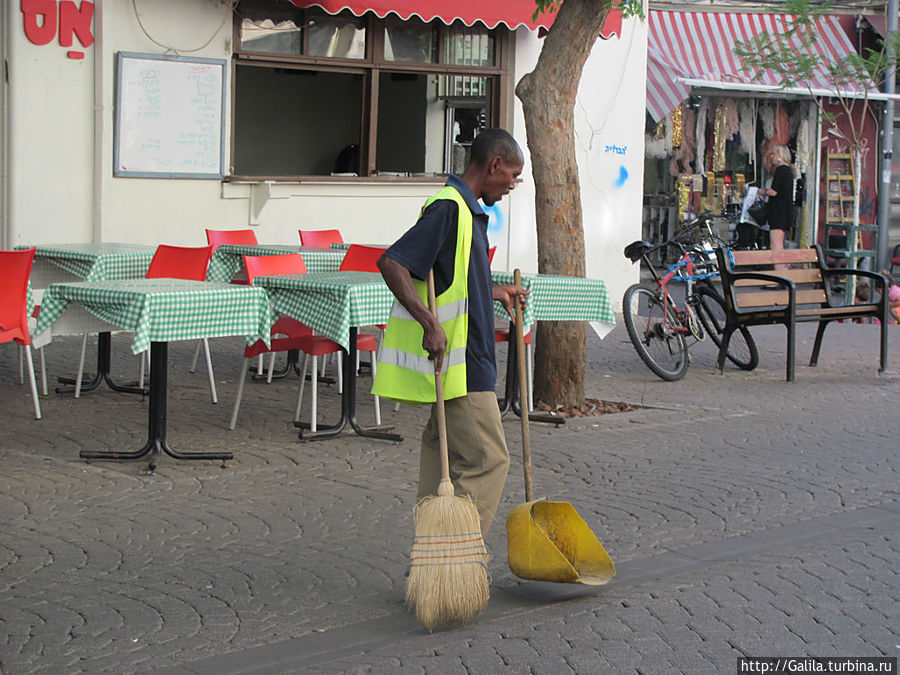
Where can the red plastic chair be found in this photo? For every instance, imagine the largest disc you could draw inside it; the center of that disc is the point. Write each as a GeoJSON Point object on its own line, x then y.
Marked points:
{"type": "Point", "coordinates": [294, 334]}
{"type": "Point", "coordinates": [320, 238]}
{"type": "Point", "coordinates": [361, 258]}
{"type": "Point", "coordinates": [239, 237]}
{"type": "Point", "coordinates": [179, 262]}
{"type": "Point", "coordinates": [216, 238]}
{"type": "Point", "coordinates": [15, 269]}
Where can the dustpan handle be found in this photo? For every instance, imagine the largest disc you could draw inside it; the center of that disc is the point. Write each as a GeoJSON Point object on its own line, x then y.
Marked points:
{"type": "Point", "coordinates": [523, 387]}
{"type": "Point", "coordinates": [439, 391]}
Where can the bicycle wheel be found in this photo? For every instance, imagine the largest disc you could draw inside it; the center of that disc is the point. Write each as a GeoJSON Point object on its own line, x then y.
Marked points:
{"type": "Point", "coordinates": [649, 319]}
{"type": "Point", "coordinates": [742, 350]}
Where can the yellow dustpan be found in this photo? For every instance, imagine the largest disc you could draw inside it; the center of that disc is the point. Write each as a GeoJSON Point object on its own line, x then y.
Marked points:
{"type": "Point", "coordinates": [549, 541]}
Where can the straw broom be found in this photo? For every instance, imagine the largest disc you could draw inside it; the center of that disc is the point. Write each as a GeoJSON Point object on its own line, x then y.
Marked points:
{"type": "Point", "coordinates": [448, 583]}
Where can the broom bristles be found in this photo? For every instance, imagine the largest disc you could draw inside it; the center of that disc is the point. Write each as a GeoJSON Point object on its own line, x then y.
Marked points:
{"type": "Point", "coordinates": [448, 582]}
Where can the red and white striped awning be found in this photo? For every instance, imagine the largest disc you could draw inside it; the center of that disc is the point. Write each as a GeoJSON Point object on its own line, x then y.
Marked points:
{"type": "Point", "coordinates": [688, 49]}
{"type": "Point", "coordinates": [512, 13]}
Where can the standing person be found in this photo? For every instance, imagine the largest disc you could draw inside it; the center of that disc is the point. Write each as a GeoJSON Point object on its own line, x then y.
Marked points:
{"type": "Point", "coordinates": [450, 237]}
{"type": "Point", "coordinates": [780, 216]}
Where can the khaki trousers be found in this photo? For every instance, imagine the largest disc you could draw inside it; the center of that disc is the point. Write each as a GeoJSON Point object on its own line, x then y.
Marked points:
{"type": "Point", "coordinates": [476, 448]}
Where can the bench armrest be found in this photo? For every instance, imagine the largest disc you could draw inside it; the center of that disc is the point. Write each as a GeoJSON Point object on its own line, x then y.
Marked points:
{"type": "Point", "coordinates": [771, 278]}
{"type": "Point", "coordinates": [881, 285]}
{"type": "Point", "coordinates": [763, 276]}
{"type": "Point", "coordinates": [875, 276]}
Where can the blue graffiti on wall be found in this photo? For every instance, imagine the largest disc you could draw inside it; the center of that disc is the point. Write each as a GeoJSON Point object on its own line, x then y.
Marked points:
{"type": "Point", "coordinates": [495, 218]}
{"type": "Point", "coordinates": [623, 177]}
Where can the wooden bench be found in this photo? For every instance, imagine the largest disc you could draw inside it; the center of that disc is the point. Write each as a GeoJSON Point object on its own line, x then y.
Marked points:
{"type": "Point", "coordinates": [756, 293]}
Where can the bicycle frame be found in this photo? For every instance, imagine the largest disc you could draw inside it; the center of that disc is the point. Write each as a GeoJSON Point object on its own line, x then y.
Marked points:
{"type": "Point", "coordinates": [687, 264]}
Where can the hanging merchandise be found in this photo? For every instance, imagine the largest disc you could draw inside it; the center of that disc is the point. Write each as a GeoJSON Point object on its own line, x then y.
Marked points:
{"type": "Point", "coordinates": [718, 149]}
{"type": "Point", "coordinates": [700, 128]}
{"type": "Point", "coordinates": [797, 118]}
{"type": "Point", "coordinates": [659, 132]}
{"type": "Point", "coordinates": [677, 126]}
{"type": "Point", "coordinates": [747, 111]}
{"type": "Point", "coordinates": [732, 119]}
{"type": "Point", "coordinates": [683, 187]}
{"type": "Point", "coordinates": [803, 161]}
{"type": "Point", "coordinates": [683, 155]}
{"type": "Point", "coordinates": [781, 125]}
{"type": "Point", "coordinates": [767, 119]}
{"type": "Point", "coordinates": [658, 143]}
{"type": "Point", "coordinates": [658, 148]}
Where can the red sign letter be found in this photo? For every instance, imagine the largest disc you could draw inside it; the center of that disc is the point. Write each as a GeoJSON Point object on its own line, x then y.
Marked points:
{"type": "Point", "coordinates": [75, 20]}
{"type": "Point", "coordinates": [40, 20]}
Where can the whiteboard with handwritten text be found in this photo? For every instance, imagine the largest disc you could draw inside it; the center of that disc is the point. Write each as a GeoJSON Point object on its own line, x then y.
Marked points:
{"type": "Point", "coordinates": [170, 117]}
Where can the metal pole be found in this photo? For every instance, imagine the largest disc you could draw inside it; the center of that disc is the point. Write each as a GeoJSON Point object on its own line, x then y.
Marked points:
{"type": "Point", "coordinates": [887, 143]}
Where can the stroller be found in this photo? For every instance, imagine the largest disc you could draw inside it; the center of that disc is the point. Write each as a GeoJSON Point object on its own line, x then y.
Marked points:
{"type": "Point", "coordinates": [750, 234]}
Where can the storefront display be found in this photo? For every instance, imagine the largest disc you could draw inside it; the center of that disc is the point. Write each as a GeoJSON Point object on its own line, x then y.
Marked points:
{"type": "Point", "coordinates": [702, 156]}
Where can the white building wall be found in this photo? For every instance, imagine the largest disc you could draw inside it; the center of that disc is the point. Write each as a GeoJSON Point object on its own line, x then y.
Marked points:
{"type": "Point", "coordinates": [609, 130]}
{"type": "Point", "coordinates": [61, 152]}
{"type": "Point", "coordinates": [51, 140]}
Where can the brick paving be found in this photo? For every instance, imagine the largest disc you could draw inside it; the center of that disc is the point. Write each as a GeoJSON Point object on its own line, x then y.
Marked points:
{"type": "Point", "coordinates": [746, 516]}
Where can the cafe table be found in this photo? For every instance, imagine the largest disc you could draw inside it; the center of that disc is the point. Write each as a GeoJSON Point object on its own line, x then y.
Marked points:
{"type": "Point", "coordinates": [553, 298]}
{"type": "Point", "coordinates": [159, 311]}
{"type": "Point", "coordinates": [55, 263]}
{"type": "Point", "coordinates": [334, 304]}
{"type": "Point", "coordinates": [227, 259]}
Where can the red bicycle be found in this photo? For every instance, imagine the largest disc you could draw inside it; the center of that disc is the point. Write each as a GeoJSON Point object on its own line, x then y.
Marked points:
{"type": "Point", "coordinates": [659, 329]}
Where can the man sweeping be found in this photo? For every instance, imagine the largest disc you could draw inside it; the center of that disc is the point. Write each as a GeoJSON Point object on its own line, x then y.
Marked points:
{"type": "Point", "coordinates": [450, 237]}
{"type": "Point", "coordinates": [439, 347]}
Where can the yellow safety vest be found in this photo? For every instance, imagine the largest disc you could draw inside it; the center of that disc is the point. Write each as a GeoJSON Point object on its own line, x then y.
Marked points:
{"type": "Point", "coordinates": [405, 372]}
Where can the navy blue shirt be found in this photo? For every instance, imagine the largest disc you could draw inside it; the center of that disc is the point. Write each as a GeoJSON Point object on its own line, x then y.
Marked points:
{"type": "Point", "coordinates": [431, 243]}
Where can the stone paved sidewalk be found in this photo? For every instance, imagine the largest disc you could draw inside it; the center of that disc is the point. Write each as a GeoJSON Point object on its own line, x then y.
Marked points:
{"type": "Point", "coordinates": [746, 516]}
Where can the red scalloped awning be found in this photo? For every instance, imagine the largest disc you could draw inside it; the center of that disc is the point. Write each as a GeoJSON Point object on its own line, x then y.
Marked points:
{"type": "Point", "coordinates": [512, 13]}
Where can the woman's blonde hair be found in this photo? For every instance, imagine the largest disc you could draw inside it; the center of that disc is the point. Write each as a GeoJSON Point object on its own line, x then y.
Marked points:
{"type": "Point", "coordinates": [782, 152]}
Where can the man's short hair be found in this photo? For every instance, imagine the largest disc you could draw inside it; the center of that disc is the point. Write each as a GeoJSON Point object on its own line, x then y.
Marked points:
{"type": "Point", "coordinates": [495, 142]}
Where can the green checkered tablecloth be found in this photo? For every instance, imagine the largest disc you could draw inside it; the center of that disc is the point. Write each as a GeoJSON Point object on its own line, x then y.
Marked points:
{"type": "Point", "coordinates": [95, 262]}
{"type": "Point", "coordinates": [330, 302]}
{"type": "Point", "coordinates": [555, 298]}
{"type": "Point", "coordinates": [165, 310]}
{"type": "Point", "coordinates": [99, 262]}
{"type": "Point", "coordinates": [226, 260]}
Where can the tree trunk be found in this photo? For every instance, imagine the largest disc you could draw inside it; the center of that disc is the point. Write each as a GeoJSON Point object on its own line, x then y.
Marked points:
{"type": "Point", "coordinates": [548, 100]}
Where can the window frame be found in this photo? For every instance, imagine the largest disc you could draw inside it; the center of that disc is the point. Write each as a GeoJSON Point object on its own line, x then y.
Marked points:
{"type": "Point", "coordinates": [371, 67]}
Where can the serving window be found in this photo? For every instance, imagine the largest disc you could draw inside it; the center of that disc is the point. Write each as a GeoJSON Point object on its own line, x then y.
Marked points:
{"type": "Point", "coordinates": [338, 95]}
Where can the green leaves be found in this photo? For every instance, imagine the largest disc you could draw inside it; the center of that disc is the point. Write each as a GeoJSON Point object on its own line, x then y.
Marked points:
{"type": "Point", "coordinates": [628, 7]}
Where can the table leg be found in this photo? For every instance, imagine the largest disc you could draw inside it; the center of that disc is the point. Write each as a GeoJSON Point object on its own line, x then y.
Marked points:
{"type": "Point", "coordinates": [511, 389]}
{"type": "Point", "coordinates": [348, 406]}
{"type": "Point", "coordinates": [156, 425]}
{"type": "Point", "coordinates": [104, 349]}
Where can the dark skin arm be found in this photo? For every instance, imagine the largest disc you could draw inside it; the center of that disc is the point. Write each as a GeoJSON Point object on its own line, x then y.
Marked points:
{"type": "Point", "coordinates": [399, 280]}
{"type": "Point", "coordinates": [434, 341]}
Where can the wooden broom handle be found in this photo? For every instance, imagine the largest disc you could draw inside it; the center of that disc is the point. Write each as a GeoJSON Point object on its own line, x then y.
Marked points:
{"type": "Point", "coordinates": [523, 387]}
{"type": "Point", "coordinates": [439, 390]}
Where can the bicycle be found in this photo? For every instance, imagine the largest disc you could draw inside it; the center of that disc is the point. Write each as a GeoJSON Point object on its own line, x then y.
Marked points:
{"type": "Point", "coordinates": [659, 329]}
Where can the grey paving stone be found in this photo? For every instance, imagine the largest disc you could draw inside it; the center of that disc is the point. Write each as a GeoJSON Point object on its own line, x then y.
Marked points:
{"type": "Point", "coordinates": [746, 515]}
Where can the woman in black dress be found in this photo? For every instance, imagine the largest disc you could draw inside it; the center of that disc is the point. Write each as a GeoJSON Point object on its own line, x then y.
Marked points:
{"type": "Point", "coordinates": [780, 216]}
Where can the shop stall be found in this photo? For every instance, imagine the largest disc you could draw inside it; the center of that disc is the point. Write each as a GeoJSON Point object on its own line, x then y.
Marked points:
{"type": "Point", "coordinates": [710, 123]}
{"type": "Point", "coordinates": [706, 154]}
